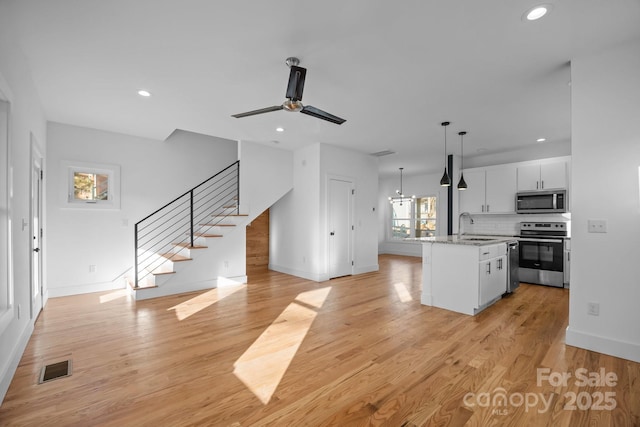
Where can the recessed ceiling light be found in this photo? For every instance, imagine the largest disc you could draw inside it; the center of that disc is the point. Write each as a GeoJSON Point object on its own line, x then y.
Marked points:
{"type": "Point", "coordinates": [144, 93]}
{"type": "Point", "coordinates": [541, 139]}
{"type": "Point", "coordinates": [536, 12]}
{"type": "Point", "coordinates": [279, 129]}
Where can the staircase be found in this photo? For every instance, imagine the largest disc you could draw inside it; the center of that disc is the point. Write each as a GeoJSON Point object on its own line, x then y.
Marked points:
{"type": "Point", "coordinates": [174, 235]}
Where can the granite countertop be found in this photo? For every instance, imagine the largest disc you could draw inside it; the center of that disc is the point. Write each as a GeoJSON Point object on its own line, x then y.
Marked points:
{"type": "Point", "coordinates": [465, 239]}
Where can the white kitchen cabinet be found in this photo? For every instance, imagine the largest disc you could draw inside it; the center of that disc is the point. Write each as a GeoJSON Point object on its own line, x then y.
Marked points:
{"type": "Point", "coordinates": [501, 189]}
{"type": "Point", "coordinates": [492, 279]}
{"type": "Point", "coordinates": [462, 277]}
{"type": "Point", "coordinates": [543, 175]}
{"type": "Point", "coordinates": [490, 190]}
{"type": "Point", "coordinates": [473, 199]}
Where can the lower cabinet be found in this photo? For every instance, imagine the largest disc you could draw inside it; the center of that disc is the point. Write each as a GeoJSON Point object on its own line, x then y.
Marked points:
{"type": "Point", "coordinates": [463, 278]}
{"type": "Point", "coordinates": [493, 279]}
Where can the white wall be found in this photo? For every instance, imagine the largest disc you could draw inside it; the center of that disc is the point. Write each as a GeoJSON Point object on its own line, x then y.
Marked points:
{"type": "Point", "coordinates": [605, 174]}
{"type": "Point", "coordinates": [26, 118]}
{"type": "Point", "coordinates": [152, 173]}
{"type": "Point", "coordinates": [294, 236]}
{"type": "Point", "coordinates": [266, 174]}
{"type": "Point", "coordinates": [536, 151]}
{"type": "Point", "coordinates": [298, 231]}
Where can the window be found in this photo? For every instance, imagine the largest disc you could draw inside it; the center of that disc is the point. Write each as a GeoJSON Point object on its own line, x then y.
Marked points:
{"type": "Point", "coordinates": [92, 186]}
{"type": "Point", "coordinates": [413, 219]}
{"type": "Point", "coordinates": [89, 186]}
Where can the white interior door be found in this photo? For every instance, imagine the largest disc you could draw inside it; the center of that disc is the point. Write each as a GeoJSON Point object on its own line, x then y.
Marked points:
{"type": "Point", "coordinates": [36, 232]}
{"type": "Point", "coordinates": [340, 224]}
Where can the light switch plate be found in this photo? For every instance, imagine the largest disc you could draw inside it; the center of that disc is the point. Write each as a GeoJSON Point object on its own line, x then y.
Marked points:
{"type": "Point", "coordinates": [597, 226]}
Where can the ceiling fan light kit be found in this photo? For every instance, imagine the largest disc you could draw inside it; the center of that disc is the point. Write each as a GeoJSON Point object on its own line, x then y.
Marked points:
{"type": "Point", "coordinates": [293, 103]}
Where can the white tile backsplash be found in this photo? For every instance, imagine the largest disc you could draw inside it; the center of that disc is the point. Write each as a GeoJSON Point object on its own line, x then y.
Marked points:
{"type": "Point", "coordinates": [506, 224]}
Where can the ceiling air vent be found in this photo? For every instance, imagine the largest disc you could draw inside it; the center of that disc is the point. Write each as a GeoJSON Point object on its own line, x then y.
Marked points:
{"type": "Point", "coordinates": [383, 153]}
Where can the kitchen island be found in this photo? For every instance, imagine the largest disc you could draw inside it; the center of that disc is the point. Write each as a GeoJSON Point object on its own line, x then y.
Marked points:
{"type": "Point", "coordinates": [463, 274]}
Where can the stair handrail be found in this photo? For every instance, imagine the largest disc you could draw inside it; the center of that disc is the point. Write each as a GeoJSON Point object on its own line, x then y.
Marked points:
{"type": "Point", "coordinates": [225, 191]}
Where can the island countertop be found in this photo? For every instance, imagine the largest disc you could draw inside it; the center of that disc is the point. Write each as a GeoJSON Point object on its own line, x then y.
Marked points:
{"type": "Point", "coordinates": [465, 239]}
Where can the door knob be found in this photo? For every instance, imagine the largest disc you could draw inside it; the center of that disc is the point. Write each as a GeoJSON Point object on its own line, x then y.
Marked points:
{"type": "Point", "coordinates": [332, 233]}
{"type": "Point", "coordinates": [36, 250]}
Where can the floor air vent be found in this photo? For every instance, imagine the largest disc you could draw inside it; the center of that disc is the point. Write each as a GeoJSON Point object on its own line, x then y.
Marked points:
{"type": "Point", "coordinates": [55, 371]}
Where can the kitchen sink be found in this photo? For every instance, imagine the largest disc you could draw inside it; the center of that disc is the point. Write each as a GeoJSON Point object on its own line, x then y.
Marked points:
{"type": "Point", "coordinates": [479, 239]}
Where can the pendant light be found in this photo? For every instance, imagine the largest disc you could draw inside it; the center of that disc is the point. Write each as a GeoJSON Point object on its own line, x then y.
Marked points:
{"type": "Point", "coordinates": [462, 185]}
{"type": "Point", "coordinates": [401, 197]}
{"type": "Point", "coordinates": [445, 181]}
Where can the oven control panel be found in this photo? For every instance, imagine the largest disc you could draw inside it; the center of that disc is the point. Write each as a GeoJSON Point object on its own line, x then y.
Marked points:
{"type": "Point", "coordinates": [543, 228]}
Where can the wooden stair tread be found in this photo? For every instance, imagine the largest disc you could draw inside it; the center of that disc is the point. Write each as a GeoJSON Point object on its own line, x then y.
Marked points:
{"type": "Point", "coordinates": [162, 273]}
{"type": "Point", "coordinates": [207, 235]}
{"type": "Point", "coordinates": [175, 257]}
{"type": "Point", "coordinates": [217, 225]}
{"type": "Point", "coordinates": [139, 288]}
{"type": "Point", "coordinates": [188, 246]}
{"type": "Point", "coordinates": [223, 215]}
{"type": "Point", "coordinates": [145, 286]}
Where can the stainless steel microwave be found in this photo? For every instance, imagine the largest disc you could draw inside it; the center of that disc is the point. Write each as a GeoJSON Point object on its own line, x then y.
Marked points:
{"type": "Point", "coordinates": [551, 201]}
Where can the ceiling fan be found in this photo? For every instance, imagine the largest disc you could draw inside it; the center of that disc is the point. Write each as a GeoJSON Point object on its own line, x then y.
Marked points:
{"type": "Point", "coordinates": [294, 97]}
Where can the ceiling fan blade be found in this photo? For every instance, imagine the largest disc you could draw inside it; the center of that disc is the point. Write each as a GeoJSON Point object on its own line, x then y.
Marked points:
{"type": "Point", "coordinates": [316, 112]}
{"type": "Point", "coordinates": [260, 111]}
{"type": "Point", "coordinates": [296, 83]}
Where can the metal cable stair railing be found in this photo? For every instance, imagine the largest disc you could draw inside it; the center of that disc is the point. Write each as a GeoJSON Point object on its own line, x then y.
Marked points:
{"type": "Point", "coordinates": [161, 236]}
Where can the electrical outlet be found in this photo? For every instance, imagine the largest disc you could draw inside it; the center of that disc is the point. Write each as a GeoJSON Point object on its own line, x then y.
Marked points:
{"type": "Point", "coordinates": [92, 268]}
{"type": "Point", "coordinates": [597, 226]}
{"type": "Point", "coordinates": [593, 309]}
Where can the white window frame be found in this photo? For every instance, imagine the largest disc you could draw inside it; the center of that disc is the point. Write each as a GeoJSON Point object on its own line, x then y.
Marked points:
{"type": "Point", "coordinates": [413, 219]}
{"type": "Point", "coordinates": [70, 168]}
{"type": "Point", "coordinates": [7, 306]}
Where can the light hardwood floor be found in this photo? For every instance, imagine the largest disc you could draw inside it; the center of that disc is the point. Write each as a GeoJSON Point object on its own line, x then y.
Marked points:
{"type": "Point", "coordinates": [284, 351]}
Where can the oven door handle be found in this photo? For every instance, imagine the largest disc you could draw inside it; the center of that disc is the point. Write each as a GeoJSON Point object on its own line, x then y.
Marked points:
{"type": "Point", "coordinates": [528, 239]}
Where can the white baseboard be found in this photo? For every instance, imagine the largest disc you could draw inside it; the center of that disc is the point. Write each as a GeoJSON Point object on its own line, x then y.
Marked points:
{"type": "Point", "coordinates": [298, 273]}
{"type": "Point", "coordinates": [164, 290]}
{"type": "Point", "coordinates": [319, 277]}
{"type": "Point", "coordinates": [402, 252]}
{"type": "Point", "coordinates": [66, 291]}
{"type": "Point", "coordinates": [426, 299]}
{"type": "Point", "coordinates": [366, 269]}
{"type": "Point", "coordinates": [624, 350]}
{"type": "Point", "coordinates": [9, 369]}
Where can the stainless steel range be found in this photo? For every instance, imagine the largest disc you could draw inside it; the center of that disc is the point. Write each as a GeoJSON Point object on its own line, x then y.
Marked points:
{"type": "Point", "coordinates": [542, 253]}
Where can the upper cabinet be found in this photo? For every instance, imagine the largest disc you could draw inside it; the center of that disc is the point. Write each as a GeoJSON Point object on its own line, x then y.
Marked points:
{"type": "Point", "coordinates": [493, 189]}
{"type": "Point", "coordinates": [543, 175]}
{"type": "Point", "coordinates": [490, 190]}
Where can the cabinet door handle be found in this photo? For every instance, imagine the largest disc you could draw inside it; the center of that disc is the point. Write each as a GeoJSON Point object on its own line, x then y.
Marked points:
{"type": "Point", "coordinates": [489, 268]}
{"type": "Point", "coordinates": [542, 185]}
{"type": "Point", "coordinates": [487, 208]}
{"type": "Point", "coordinates": [537, 185]}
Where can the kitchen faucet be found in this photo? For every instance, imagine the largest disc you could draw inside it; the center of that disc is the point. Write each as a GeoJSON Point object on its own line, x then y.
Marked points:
{"type": "Point", "coordinates": [460, 222]}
